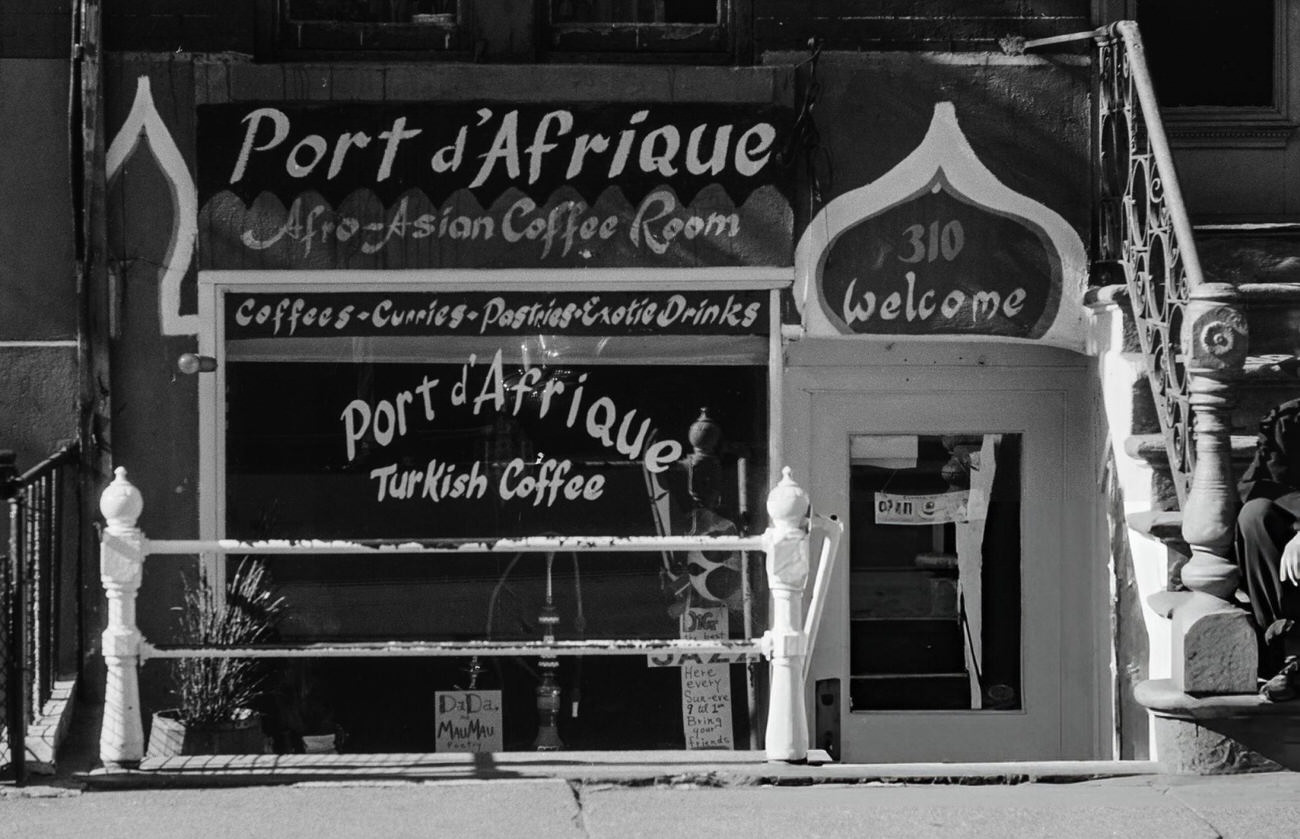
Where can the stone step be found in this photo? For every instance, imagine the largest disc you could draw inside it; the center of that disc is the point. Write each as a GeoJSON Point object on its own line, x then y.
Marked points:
{"type": "Point", "coordinates": [931, 692]}
{"type": "Point", "coordinates": [906, 646]}
{"type": "Point", "coordinates": [903, 593]}
{"type": "Point", "coordinates": [1151, 448]}
{"type": "Point", "coordinates": [1167, 527]}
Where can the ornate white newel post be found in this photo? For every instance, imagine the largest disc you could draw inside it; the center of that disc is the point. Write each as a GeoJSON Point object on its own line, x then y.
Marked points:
{"type": "Point", "coordinates": [1214, 643]}
{"type": "Point", "coordinates": [121, 560]}
{"type": "Point", "coordinates": [785, 643]}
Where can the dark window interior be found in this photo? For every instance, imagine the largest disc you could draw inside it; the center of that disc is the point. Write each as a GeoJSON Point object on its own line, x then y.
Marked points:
{"type": "Point", "coordinates": [371, 11]}
{"type": "Point", "coordinates": [1210, 53]}
{"type": "Point", "coordinates": [635, 11]}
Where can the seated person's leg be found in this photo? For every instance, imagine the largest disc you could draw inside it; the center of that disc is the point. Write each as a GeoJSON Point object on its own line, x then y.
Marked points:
{"type": "Point", "coordinates": [1262, 529]}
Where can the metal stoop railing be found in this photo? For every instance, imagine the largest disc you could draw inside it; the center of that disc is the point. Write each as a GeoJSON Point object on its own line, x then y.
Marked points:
{"type": "Point", "coordinates": [33, 594]}
{"type": "Point", "coordinates": [786, 644]}
{"type": "Point", "coordinates": [1193, 338]}
{"type": "Point", "coordinates": [1192, 333]}
{"type": "Point", "coordinates": [1143, 228]}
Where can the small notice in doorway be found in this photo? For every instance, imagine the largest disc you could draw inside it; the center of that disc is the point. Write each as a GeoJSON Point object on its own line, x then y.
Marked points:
{"type": "Point", "coordinates": [468, 721]}
{"type": "Point", "coordinates": [706, 688]}
{"type": "Point", "coordinates": [936, 508]}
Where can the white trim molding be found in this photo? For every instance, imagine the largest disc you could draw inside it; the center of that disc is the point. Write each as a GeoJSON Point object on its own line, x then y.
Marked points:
{"type": "Point", "coordinates": [145, 121]}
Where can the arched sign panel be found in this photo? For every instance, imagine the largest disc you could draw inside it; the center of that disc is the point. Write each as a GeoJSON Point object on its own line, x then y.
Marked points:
{"type": "Point", "coordinates": [939, 248]}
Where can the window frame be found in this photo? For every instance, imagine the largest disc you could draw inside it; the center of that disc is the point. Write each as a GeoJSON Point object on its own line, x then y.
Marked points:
{"type": "Point", "coordinates": [1224, 126]}
{"type": "Point", "coordinates": [695, 43]}
{"type": "Point", "coordinates": [213, 285]}
{"type": "Point", "coordinates": [288, 40]}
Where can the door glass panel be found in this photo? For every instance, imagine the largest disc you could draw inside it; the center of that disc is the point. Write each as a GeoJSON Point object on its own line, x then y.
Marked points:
{"type": "Point", "coordinates": [935, 572]}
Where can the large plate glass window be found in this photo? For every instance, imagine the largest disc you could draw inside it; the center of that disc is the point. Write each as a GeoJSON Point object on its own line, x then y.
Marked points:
{"type": "Point", "coordinates": [482, 415]}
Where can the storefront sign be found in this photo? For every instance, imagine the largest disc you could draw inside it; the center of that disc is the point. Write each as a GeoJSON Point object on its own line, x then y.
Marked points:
{"type": "Point", "coordinates": [706, 688]}
{"type": "Point", "coordinates": [939, 247]}
{"type": "Point", "coordinates": [357, 314]}
{"type": "Point", "coordinates": [468, 721]}
{"type": "Point", "coordinates": [482, 445]}
{"type": "Point", "coordinates": [490, 185]}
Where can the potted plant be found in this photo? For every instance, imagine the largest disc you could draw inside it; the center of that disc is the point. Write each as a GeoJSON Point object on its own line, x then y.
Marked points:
{"type": "Point", "coordinates": [216, 697]}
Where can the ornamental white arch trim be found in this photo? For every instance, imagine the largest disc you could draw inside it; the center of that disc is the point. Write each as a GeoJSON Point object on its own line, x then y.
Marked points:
{"type": "Point", "coordinates": [145, 122]}
{"type": "Point", "coordinates": [944, 157]}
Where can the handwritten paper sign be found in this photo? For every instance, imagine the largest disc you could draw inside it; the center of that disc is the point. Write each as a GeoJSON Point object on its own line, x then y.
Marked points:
{"type": "Point", "coordinates": [468, 721]}
{"type": "Point", "coordinates": [706, 688]}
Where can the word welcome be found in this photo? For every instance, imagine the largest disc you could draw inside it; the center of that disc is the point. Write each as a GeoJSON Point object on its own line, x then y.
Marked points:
{"type": "Point", "coordinates": [953, 305]}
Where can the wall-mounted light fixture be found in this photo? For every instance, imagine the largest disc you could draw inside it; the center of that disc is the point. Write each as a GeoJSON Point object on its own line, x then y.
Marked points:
{"type": "Point", "coordinates": [189, 364]}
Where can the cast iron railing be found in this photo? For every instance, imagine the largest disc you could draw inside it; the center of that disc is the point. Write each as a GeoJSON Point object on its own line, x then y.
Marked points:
{"type": "Point", "coordinates": [1143, 229]}
{"type": "Point", "coordinates": [1192, 334]}
{"type": "Point", "coordinates": [786, 644]}
{"type": "Point", "coordinates": [33, 596]}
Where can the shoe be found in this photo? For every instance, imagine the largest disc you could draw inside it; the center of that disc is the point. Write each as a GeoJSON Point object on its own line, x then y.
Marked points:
{"type": "Point", "coordinates": [1286, 684]}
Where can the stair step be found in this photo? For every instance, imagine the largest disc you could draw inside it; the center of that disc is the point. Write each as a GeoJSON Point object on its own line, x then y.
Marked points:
{"type": "Point", "coordinates": [1251, 254]}
{"type": "Point", "coordinates": [915, 645]}
{"type": "Point", "coordinates": [1165, 525]}
{"type": "Point", "coordinates": [903, 593]}
{"type": "Point", "coordinates": [932, 692]}
{"type": "Point", "coordinates": [1279, 368]}
{"type": "Point", "coordinates": [1151, 448]}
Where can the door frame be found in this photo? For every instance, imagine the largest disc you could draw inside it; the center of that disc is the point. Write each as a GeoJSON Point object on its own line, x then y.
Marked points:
{"type": "Point", "coordinates": [1044, 395]}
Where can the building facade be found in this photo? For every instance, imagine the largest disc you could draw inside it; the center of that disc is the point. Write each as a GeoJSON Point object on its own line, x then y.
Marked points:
{"type": "Point", "coordinates": [483, 270]}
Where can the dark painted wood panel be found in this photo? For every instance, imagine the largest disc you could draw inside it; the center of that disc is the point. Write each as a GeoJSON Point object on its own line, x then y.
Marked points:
{"type": "Point", "coordinates": [184, 26]}
{"type": "Point", "coordinates": [42, 31]}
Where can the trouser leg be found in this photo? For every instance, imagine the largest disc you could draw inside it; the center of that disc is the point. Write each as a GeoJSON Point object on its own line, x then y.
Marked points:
{"type": "Point", "coordinates": [1263, 528]}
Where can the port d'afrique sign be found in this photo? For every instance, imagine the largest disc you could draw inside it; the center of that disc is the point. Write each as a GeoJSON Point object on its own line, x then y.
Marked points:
{"type": "Point", "coordinates": [419, 185]}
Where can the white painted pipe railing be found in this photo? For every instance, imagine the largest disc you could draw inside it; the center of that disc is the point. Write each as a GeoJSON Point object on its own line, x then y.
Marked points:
{"type": "Point", "coordinates": [125, 548]}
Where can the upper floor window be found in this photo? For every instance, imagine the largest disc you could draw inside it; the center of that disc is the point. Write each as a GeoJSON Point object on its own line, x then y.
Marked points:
{"type": "Point", "coordinates": [681, 31]}
{"type": "Point", "coordinates": [379, 28]}
{"type": "Point", "coordinates": [1210, 53]}
{"type": "Point", "coordinates": [579, 29]}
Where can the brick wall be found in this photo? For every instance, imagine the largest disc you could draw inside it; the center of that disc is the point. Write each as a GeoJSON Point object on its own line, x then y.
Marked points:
{"type": "Point", "coordinates": [180, 26]}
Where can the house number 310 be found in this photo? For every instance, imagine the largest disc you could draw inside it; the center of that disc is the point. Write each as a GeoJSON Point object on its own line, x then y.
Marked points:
{"type": "Point", "coordinates": [929, 245]}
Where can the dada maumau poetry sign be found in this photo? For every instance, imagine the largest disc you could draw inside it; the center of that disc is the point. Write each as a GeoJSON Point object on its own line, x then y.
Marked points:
{"type": "Point", "coordinates": [492, 185]}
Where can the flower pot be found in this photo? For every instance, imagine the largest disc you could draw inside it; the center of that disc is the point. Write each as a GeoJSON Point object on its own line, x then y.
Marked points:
{"type": "Point", "coordinates": [170, 737]}
{"type": "Point", "coordinates": [320, 744]}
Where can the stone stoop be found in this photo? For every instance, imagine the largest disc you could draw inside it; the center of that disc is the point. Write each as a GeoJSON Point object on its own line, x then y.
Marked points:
{"type": "Point", "coordinates": [1238, 732]}
{"type": "Point", "coordinates": [47, 733]}
{"type": "Point", "coordinates": [1211, 735]}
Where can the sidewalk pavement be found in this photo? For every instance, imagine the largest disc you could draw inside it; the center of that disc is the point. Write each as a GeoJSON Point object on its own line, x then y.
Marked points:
{"type": "Point", "coordinates": [630, 794]}
{"type": "Point", "coordinates": [712, 803]}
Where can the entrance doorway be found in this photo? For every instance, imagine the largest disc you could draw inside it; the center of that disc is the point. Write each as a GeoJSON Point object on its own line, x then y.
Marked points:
{"type": "Point", "coordinates": [969, 622]}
